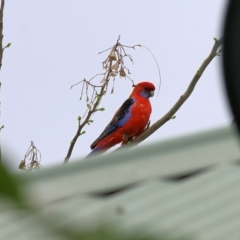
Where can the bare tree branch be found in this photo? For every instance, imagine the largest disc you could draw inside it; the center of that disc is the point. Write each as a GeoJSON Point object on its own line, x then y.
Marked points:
{"type": "Point", "coordinates": [214, 52]}
{"type": "Point", "coordinates": [1, 32]}
{"type": "Point", "coordinates": [1, 51]}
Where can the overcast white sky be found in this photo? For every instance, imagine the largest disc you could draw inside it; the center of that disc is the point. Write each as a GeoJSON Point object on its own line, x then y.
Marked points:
{"type": "Point", "coordinates": [55, 44]}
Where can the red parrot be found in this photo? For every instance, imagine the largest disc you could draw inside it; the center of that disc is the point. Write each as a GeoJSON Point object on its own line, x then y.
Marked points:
{"type": "Point", "coordinates": [130, 120]}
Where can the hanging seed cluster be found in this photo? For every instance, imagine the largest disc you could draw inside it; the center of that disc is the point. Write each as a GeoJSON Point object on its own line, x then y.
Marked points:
{"type": "Point", "coordinates": [31, 160]}
{"type": "Point", "coordinates": [113, 66]}
{"type": "Point", "coordinates": [114, 63]}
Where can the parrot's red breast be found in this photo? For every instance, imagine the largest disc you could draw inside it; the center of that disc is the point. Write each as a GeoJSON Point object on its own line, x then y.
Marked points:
{"type": "Point", "coordinates": [129, 121]}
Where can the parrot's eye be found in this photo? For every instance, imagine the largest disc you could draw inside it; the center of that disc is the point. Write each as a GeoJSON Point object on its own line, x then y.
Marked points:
{"type": "Point", "coordinates": [147, 89]}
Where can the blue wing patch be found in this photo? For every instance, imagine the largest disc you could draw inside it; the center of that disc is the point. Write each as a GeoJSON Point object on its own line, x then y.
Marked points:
{"type": "Point", "coordinates": [121, 117]}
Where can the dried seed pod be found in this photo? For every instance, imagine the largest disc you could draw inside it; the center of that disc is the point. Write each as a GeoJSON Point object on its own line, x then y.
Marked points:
{"type": "Point", "coordinates": [22, 165]}
{"type": "Point", "coordinates": [103, 80]}
{"type": "Point", "coordinates": [112, 56]}
{"type": "Point", "coordinates": [120, 61]}
{"type": "Point", "coordinates": [113, 74]}
{"type": "Point", "coordinates": [115, 67]}
{"type": "Point", "coordinates": [112, 90]}
{"type": "Point", "coordinates": [122, 72]}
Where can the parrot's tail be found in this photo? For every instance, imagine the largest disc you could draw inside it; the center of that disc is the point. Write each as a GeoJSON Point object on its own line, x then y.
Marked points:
{"type": "Point", "coordinates": [96, 150]}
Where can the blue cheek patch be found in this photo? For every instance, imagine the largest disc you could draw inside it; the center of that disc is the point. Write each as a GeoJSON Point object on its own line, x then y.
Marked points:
{"type": "Point", "coordinates": [145, 94]}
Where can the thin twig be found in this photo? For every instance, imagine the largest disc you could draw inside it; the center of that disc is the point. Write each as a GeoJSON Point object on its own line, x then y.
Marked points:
{"type": "Point", "coordinates": [88, 81]}
{"type": "Point", "coordinates": [81, 126]}
{"type": "Point", "coordinates": [159, 73]}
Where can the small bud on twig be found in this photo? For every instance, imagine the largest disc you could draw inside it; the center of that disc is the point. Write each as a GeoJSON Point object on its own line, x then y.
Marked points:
{"type": "Point", "coordinates": [101, 109]}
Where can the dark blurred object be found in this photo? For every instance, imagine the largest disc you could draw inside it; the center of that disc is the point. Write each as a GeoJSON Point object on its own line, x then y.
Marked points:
{"type": "Point", "coordinates": [231, 57]}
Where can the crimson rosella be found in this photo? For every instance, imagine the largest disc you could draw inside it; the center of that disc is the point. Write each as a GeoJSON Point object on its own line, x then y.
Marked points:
{"type": "Point", "coordinates": [130, 120]}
